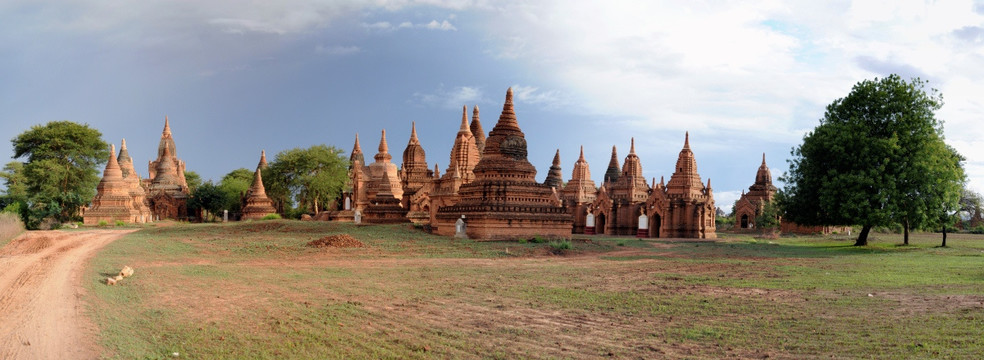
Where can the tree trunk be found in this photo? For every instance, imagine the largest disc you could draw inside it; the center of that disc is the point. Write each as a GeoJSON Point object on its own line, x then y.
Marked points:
{"type": "Point", "coordinates": [905, 226]}
{"type": "Point", "coordinates": [863, 236]}
{"type": "Point", "coordinates": [944, 236]}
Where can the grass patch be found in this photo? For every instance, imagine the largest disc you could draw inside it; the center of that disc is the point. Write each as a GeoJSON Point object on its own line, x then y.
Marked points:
{"type": "Point", "coordinates": [10, 227]}
{"type": "Point", "coordinates": [255, 290]}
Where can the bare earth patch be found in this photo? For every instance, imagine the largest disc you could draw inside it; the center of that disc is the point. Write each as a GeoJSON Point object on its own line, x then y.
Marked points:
{"type": "Point", "coordinates": [41, 294]}
{"type": "Point", "coordinates": [337, 241]}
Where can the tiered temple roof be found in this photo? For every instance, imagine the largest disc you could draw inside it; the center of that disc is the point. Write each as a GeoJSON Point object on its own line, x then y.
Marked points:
{"type": "Point", "coordinates": [477, 132]}
{"type": "Point", "coordinates": [612, 173]}
{"type": "Point", "coordinates": [505, 201]}
{"type": "Point", "coordinates": [113, 201]}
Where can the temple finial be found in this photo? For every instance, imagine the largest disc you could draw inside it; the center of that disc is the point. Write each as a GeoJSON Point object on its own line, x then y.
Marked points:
{"type": "Point", "coordinates": [632, 148]}
{"type": "Point", "coordinates": [413, 131]}
{"type": "Point", "coordinates": [613, 150]}
{"type": "Point", "coordinates": [123, 145]}
{"type": "Point", "coordinates": [686, 140]}
{"type": "Point", "coordinates": [167, 125]}
{"type": "Point", "coordinates": [581, 157]}
{"type": "Point", "coordinates": [464, 118]}
{"type": "Point", "coordinates": [556, 159]}
{"type": "Point", "coordinates": [383, 147]}
{"type": "Point", "coordinates": [357, 147]}
{"type": "Point", "coordinates": [763, 159]}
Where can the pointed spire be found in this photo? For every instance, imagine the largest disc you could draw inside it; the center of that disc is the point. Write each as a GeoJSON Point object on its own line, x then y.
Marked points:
{"type": "Point", "coordinates": [123, 147]}
{"type": "Point", "coordinates": [112, 164]}
{"type": "Point", "coordinates": [167, 126]}
{"type": "Point", "coordinates": [632, 148]}
{"type": "Point", "coordinates": [763, 159]}
{"type": "Point", "coordinates": [357, 146]}
{"type": "Point", "coordinates": [581, 157]}
{"type": "Point", "coordinates": [612, 173]}
{"type": "Point", "coordinates": [477, 131]}
{"type": "Point", "coordinates": [556, 159]}
{"type": "Point", "coordinates": [263, 161]}
{"type": "Point", "coordinates": [708, 183]}
{"type": "Point", "coordinates": [686, 140]}
{"type": "Point", "coordinates": [661, 182]}
{"type": "Point", "coordinates": [257, 188]}
{"type": "Point", "coordinates": [437, 171]}
{"type": "Point", "coordinates": [464, 119]}
{"type": "Point", "coordinates": [383, 147]}
{"type": "Point", "coordinates": [413, 133]}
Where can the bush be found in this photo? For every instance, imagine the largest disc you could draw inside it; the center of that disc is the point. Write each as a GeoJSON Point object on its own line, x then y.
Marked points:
{"type": "Point", "coordinates": [538, 240]}
{"type": "Point", "coordinates": [271, 217]}
{"type": "Point", "coordinates": [120, 223]}
{"type": "Point", "coordinates": [561, 245]}
{"type": "Point", "coordinates": [10, 227]}
{"type": "Point", "coordinates": [620, 243]}
{"type": "Point", "coordinates": [103, 223]}
{"type": "Point", "coordinates": [977, 230]}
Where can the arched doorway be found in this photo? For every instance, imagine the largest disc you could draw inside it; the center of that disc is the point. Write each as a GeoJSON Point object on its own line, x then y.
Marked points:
{"type": "Point", "coordinates": [600, 224]}
{"type": "Point", "coordinates": [654, 222]}
{"type": "Point", "coordinates": [744, 221]}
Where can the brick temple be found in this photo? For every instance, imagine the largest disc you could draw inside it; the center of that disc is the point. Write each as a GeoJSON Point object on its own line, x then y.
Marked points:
{"type": "Point", "coordinates": [488, 190]}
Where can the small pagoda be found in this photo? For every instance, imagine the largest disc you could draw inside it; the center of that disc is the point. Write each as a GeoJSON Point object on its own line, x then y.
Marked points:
{"type": "Point", "coordinates": [257, 205]}
{"type": "Point", "coordinates": [113, 201]}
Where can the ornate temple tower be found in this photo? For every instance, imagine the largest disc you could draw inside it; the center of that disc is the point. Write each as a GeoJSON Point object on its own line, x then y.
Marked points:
{"type": "Point", "coordinates": [113, 201]}
{"type": "Point", "coordinates": [628, 194]}
{"type": "Point", "coordinates": [167, 189]}
{"type": "Point", "coordinates": [691, 211]}
{"type": "Point", "coordinates": [462, 161]}
{"type": "Point", "coordinates": [477, 132]}
{"type": "Point", "coordinates": [384, 166]}
{"type": "Point", "coordinates": [750, 203]}
{"type": "Point", "coordinates": [505, 201]}
{"type": "Point", "coordinates": [357, 199]}
{"type": "Point", "coordinates": [611, 174]}
{"type": "Point", "coordinates": [257, 204]}
{"type": "Point", "coordinates": [141, 206]}
{"type": "Point", "coordinates": [555, 176]}
{"type": "Point", "coordinates": [416, 179]}
{"type": "Point", "coordinates": [579, 193]}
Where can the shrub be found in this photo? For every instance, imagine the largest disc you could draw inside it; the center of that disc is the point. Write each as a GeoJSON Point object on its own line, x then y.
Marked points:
{"type": "Point", "coordinates": [55, 226]}
{"type": "Point", "coordinates": [120, 223]}
{"type": "Point", "coordinates": [620, 243]}
{"type": "Point", "coordinates": [538, 240]}
{"type": "Point", "coordinates": [103, 223]}
{"type": "Point", "coordinates": [561, 245]}
{"type": "Point", "coordinates": [10, 227]}
{"type": "Point", "coordinates": [977, 230]}
{"type": "Point", "coordinates": [271, 217]}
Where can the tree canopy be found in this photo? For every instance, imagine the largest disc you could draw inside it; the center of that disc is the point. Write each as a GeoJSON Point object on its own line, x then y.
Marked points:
{"type": "Point", "coordinates": [877, 158]}
{"type": "Point", "coordinates": [233, 185]}
{"type": "Point", "coordinates": [313, 177]}
{"type": "Point", "coordinates": [62, 168]}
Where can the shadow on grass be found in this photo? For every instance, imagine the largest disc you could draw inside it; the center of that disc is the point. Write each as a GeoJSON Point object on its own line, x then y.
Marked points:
{"type": "Point", "coordinates": [757, 249]}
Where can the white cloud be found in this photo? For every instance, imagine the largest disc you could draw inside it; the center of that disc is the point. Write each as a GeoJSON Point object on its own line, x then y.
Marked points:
{"type": "Point", "coordinates": [336, 50]}
{"type": "Point", "coordinates": [443, 26]}
{"type": "Point", "coordinates": [533, 95]}
{"type": "Point", "coordinates": [451, 98]}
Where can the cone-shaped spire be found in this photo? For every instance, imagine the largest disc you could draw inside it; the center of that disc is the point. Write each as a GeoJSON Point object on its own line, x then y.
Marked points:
{"type": "Point", "coordinates": [764, 176]}
{"type": "Point", "coordinates": [167, 140]}
{"type": "Point", "coordinates": [464, 119]}
{"type": "Point", "coordinates": [357, 159]}
{"type": "Point", "coordinates": [383, 155]}
{"type": "Point", "coordinates": [581, 156]}
{"type": "Point", "coordinates": [477, 132]}
{"type": "Point", "coordinates": [554, 176]}
{"type": "Point", "coordinates": [263, 161]}
{"type": "Point", "coordinates": [383, 147]}
{"type": "Point", "coordinates": [413, 133]}
{"type": "Point", "coordinates": [167, 126]}
{"type": "Point", "coordinates": [505, 153]}
{"type": "Point", "coordinates": [437, 171]}
{"type": "Point", "coordinates": [685, 179]}
{"type": "Point", "coordinates": [612, 173]}
{"type": "Point", "coordinates": [257, 186]}
{"type": "Point", "coordinates": [464, 153]}
{"type": "Point", "coordinates": [632, 148]}
{"type": "Point", "coordinates": [113, 166]}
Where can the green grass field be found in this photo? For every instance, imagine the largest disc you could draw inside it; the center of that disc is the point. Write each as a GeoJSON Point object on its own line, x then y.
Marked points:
{"type": "Point", "coordinates": [255, 290]}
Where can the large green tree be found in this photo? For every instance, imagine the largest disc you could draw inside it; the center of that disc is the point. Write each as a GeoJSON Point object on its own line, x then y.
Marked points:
{"type": "Point", "coordinates": [62, 166]}
{"type": "Point", "coordinates": [207, 197]}
{"type": "Point", "coordinates": [14, 182]}
{"type": "Point", "coordinates": [233, 185]}
{"type": "Point", "coordinates": [876, 159]}
{"type": "Point", "coordinates": [313, 177]}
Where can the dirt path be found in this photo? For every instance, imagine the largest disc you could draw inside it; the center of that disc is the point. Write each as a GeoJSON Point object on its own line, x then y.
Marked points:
{"type": "Point", "coordinates": [41, 310]}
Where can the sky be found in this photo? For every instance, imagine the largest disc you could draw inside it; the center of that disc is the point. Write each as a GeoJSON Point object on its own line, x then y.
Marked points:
{"type": "Point", "coordinates": [237, 77]}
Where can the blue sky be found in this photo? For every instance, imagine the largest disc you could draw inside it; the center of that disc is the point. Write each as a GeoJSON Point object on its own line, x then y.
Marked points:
{"type": "Point", "coordinates": [236, 77]}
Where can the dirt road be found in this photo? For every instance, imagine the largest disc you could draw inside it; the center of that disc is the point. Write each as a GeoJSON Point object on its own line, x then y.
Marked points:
{"type": "Point", "coordinates": [41, 309]}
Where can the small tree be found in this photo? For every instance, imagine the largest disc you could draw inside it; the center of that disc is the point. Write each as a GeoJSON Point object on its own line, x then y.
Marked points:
{"type": "Point", "coordinates": [233, 186]}
{"type": "Point", "coordinates": [312, 176]}
{"type": "Point", "coordinates": [207, 197]}
{"type": "Point", "coordinates": [768, 217]}
{"type": "Point", "coordinates": [62, 168]}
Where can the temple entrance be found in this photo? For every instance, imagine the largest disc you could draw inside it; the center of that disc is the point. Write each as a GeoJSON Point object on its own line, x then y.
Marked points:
{"type": "Point", "coordinates": [600, 224]}
{"type": "Point", "coordinates": [744, 221]}
{"type": "Point", "coordinates": [654, 222]}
